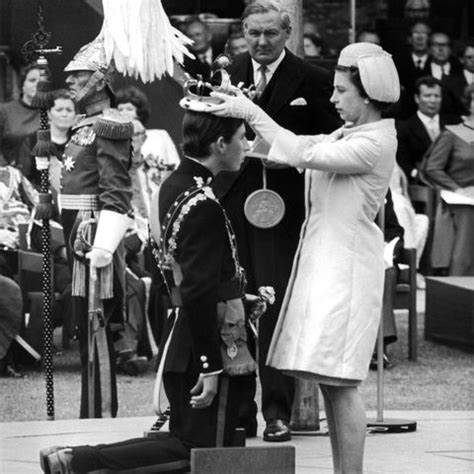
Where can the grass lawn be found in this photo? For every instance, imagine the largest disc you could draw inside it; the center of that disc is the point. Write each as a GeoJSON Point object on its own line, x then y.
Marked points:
{"type": "Point", "coordinates": [442, 379]}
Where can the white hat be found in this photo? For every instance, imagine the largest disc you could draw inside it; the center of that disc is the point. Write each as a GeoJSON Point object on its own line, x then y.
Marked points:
{"type": "Point", "coordinates": [377, 70]}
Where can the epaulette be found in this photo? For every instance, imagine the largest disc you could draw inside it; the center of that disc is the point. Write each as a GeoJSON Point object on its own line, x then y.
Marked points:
{"type": "Point", "coordinates": [112, 125]}
{"type": "Point", "coordinates": [82, 121]}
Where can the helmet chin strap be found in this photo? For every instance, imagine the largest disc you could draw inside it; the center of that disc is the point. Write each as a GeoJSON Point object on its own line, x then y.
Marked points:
{"type": "Point", "coordinates": [88, 90]}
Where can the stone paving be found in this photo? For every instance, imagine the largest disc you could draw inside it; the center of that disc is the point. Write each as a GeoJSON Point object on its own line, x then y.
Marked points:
{"type": "Point", "coordinates": [442, 443]}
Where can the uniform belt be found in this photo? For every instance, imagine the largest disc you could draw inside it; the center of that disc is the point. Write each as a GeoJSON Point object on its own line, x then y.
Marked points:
{"type": "Point", "coordinates": [81, 202]}
{"type": "Point", "coordinates": [227, 290]}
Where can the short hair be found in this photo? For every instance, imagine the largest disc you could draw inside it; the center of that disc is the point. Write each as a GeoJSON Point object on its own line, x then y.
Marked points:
{"type": "Point", "coordinates": [440, 33]}
{"type": "Point", "coordinates": [420, 22]}
{"type": "Point", "coordinates": [469, 43]}
{"type": "Point", "coordinates": [197, 21]}
{"type": "Point", "coordinates": [354, 76]}
{"type": "Point", "coordinates": [61, 94]}
{"type": "Point", "coordinates": [265, 6]}
{"type": "Point", "coordinates": [428, 81]}
{"type": "Point", "coordinates": [201, 129]}
{"type": "Point", "coordinates": [135, 96]}
{"type": "Point", "coordinates": [30, 67]}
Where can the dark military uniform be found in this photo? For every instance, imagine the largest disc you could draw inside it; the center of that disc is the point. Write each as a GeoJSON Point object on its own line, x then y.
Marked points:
{"type": "Point", "coordinates": [208, 264]}
{"type": "Point", "coordinates": [94, 178]}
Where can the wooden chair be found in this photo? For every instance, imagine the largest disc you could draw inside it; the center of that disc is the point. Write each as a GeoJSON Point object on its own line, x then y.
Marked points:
{"type": "Point", "coordinates": [424, 199]}
{"type": "Point", "coordinates": [405, 297]}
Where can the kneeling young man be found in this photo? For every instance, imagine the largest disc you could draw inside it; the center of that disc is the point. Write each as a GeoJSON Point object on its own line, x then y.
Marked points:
{"type": "Point", "coordinates": [205, 360]}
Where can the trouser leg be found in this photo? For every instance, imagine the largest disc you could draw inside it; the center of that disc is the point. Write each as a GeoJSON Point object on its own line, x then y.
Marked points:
{"type": "Point", "coordinates": [132, 453]}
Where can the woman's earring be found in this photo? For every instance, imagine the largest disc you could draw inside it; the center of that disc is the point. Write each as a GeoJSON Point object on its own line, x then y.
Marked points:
{"type": "Point", "coordinates": [366, 101]}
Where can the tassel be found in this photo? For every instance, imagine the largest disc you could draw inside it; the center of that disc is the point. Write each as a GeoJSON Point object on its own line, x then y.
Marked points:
{"type": "Point", "coordinates": [78, 279]}
{"type": "Point", "coordinates": [43, 99]}
{"type": "Point", "coordinates": [81, 247]}
{"type": "Point", "coordinates": [139, 38]}
{"type": "Point", "coordinates": [43, 144]}
{"type": "Point", "coordinates": [106, 281]}
{"type": "Point", "coordinates": [44, 209]}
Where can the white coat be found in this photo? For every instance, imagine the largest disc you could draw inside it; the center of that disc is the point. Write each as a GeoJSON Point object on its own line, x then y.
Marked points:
{"type": "Point", "coordinates": [330, 314]}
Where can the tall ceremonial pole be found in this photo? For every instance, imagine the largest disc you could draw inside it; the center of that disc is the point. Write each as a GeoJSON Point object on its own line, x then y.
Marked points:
{"type": "Point", "coordinates": [35, 48]}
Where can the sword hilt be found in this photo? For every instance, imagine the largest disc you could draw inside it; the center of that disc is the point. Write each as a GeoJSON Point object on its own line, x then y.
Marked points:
{"type": "Point", "coordinates": [99, 314]}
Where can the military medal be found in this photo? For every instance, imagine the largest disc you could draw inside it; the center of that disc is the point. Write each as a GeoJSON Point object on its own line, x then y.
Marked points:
{"type": "Point", "coordinates": [232, 351]}
{"type": "Point", "coordinates": [264, 208]}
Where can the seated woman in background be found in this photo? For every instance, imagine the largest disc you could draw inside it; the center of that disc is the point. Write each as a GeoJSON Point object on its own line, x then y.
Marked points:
{"type": "Point", "coordinates": [18, 118]}
{"type": "Point", "coordinates": [61, 116]}
{"type": "Point", "coordinates": [450, 168]}
{"type": "Point", "coordinates": [156, 146]}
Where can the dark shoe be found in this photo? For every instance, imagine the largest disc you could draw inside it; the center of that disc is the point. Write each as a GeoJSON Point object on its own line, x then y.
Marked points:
{"type": "Point", "coordinates": [277, 431]}
{"type": "Point", "coordinates": [56, 460]}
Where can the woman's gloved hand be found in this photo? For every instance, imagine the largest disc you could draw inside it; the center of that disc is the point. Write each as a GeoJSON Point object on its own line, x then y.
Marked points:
{"type": "Point", "coordinates": [237, 106]}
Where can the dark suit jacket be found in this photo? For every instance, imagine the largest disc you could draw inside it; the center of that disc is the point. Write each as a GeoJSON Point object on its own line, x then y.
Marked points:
{"type": "Point", "coordinates": [413, 142]}
{"type": "Point", "coordinates": [267, 254]}
{"type": "Point", "coordinates": [408, 72]}
{"type": "Point", "coordinates": [204, 255]}
{"type": "Point", "coordinates": [454, 86]}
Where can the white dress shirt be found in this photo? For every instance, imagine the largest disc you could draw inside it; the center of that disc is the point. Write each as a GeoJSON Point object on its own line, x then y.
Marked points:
{"type": "Point", "coordinates": [271, 68]}
{"type": "Point", "coordinates": [438, 71]}
{"type": "Point", "coordinates": [419, 61]}
{"type": "Point", "coordinates": [469, 76]}
{"type": "Point", "coordinates": [431, 124]}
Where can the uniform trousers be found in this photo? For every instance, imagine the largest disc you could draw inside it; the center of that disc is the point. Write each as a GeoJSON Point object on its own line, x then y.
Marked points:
{"type": "Point", "coordinates": [113, 313]}
{"type": "Point", "coordinates": [189, 427]}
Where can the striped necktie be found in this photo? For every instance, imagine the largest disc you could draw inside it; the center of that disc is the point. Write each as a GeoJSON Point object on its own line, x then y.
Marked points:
{"type": "Point", "coordinates": [262, 83]}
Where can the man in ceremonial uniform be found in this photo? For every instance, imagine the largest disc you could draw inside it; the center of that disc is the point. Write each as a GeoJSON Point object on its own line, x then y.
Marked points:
{"type": "Point", "coordinates": [95, 201]}
{"type": "Point", "coordinates": [296, 95]}
{"type": "Point", "coordinates": [205, 359]}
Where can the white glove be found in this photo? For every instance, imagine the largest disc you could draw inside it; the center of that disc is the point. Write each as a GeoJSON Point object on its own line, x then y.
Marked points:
{"type": "Point", "coordinates": [239, 106]}
{"type": "Point", "coordinates": [242, 107]}
{"type": "Point", "coordinates": [111, 230]}
{"type": "Point", "coordinates": [99, 257]}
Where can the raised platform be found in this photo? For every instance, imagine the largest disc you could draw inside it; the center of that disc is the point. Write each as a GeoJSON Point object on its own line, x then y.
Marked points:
{"type": "Point", "coordinates": [441, 444]}
{"type": "Point", "coordinates": [449, 316]}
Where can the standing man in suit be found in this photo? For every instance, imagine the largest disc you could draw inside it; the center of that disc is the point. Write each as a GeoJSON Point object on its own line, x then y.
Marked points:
{"type": "Point", "coordinates": [417, 133]}
{"type": "Point", "coordinates": [296, 95]}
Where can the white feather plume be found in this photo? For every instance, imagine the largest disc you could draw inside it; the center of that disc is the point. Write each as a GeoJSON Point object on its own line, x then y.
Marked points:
{"type": "Point", "coordinates": [139, 38]}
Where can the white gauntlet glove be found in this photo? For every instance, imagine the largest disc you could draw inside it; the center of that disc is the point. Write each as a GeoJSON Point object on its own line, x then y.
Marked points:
{"type": "Point", "coordinates": [242, 107]}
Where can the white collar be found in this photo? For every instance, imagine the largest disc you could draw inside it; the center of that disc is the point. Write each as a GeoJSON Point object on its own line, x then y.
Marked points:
{"type": "Point", "coordinates": [416, 58]}
{"type": "Point", "coordinates": [427, 120]}
{"type": "Point", "coordinates": [469, 76]}
{"type": "Point", "coordinates": [272, 67]}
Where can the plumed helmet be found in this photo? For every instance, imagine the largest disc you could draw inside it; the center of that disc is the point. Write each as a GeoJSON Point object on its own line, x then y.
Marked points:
{"type": "Point", "coordinates": [377, 70]}
{"type": "Point", "coordinates": [91, 57]}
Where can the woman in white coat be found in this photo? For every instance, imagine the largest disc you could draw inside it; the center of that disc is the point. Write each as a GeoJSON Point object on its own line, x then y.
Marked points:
{"type": "Point", "coordinates": [331, 311]}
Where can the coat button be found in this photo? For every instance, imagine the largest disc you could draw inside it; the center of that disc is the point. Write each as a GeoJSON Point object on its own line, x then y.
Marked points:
{"type": "Point", "coordinates": [203, 358]}
{"type": "Point", "coordinates": [205, 365]}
